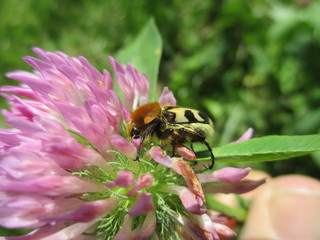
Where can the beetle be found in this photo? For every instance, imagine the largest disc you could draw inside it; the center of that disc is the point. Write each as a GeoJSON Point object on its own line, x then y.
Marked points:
{"type": "Point", "coordinates": [170, 125]}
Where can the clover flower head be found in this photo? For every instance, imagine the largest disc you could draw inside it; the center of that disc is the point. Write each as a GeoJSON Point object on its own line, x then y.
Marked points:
{"type": "Point", "coordinates": [67, 166]}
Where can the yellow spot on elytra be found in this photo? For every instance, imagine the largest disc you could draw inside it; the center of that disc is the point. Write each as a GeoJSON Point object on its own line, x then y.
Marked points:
{"type": "Point", "coordinates": [157, 51]}
{"type": "Point", "coordinates": [148, 119]}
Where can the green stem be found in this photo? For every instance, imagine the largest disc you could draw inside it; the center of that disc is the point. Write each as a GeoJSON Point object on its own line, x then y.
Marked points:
{"type": "Point", "coordinates": [238, 213]}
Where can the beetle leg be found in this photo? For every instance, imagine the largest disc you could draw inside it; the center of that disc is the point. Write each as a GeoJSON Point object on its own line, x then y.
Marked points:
{"type": "Point", "coordinates": [147, 132]}
{"type": "Point", "coordinates": [211, 154]}
{"type": "Point", "coordinates": [173, 144]}
{"type": "Point", "coordinates": [166, 133]}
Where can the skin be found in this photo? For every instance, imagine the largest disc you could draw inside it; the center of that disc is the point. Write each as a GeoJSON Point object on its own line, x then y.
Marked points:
{"type": "Point", "coordinates": [284, 208]}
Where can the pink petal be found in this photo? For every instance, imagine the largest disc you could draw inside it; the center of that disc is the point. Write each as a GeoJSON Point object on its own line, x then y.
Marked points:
{"type": "Point", "coordinates": [148, 227]}
{"type": "Point", "coordinates": [224, 175]}
{"type": "Point", "coordinates": [167, 97]}
{"type": "Point", "coordinates": [194, 229]}
{"type": "Point", "coordinates": [126, 114]}
{"type": "Point", "coordinates": [144, 181]}
{"type": "Point", "coordinates": [106, 82]}
{"type": "Point", "coordinates": [23, 91]}
{"type": "Point", "coordinates": [56, 145]}
{"type": "Point", "coordinates": [37, 63]}
{"type": "Point", "coordinates": [206, 224]}
{"type": "Point", "coordinates": [125, 233]}
{"type": "Point", "coordinates": [41, 53]}
{"type": "Point", "coordinates": [24, 211]}
{"type": "Point", "coordinates": [43, 89]}
{"type": "Point", "coordinates": [9, 137]}
{"type": "Point", "coordinates": [185, 152]}
{"type": "Point", "coordinates": [238, 187]}
{"type": "Point", "coordinates": [142, 205]}
{"type": "Point", "coordinates": [51, 185]}
{"type": "Point", "coordinates": [134, 85]}
{"type": "Point", "coordinates": [88, 211]}
{"type": "Point", "coordinates": [19, 164]}
{"type": "Point", "coordinates": [124, 146]}
{"type": "Point", "coordinates": [95, 134]}
{"type": "Point", "coordinates": [246, 136]}
{"type": "Point", "coordinates": [24, 125]}
{"type": "Point", "coordinates": [142, 84]}
{"type": "Point", "coordinates": [73, 155]}
{"type": "Point", "coordinates": [157, 154]}
{"type": "Point", "coordinates": [90, 73]}
{"type": "Point", "coordinates": [21, 76]}
{"type": "Point", "coordinates": [183, 168]}
{"type": "Point", "coordinates": [136, 142]}
{"type": "Point", "coordinates": [61, 232]}
{"type": "Point", "coordinates": [30, 211]}
{"type": "Point", "coordinates": [70, 232]}
{"type": "Point", "coordinates": [224, 230]}
{"type": "Point", "coordinates": [190, 201]}
{"type": "Point", "coordinates": [71, 112]}
{"type": "Point", "coordinates": [107, 104]}
{"type": "Point", "coordinates": [125, 179]}
{"type": "Point", "coordinates": [125, 82]}
{"type": "Point", "coordinates": [63, 79]}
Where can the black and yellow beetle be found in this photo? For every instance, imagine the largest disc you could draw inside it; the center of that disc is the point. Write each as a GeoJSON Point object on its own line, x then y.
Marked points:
{"type": "Point", "coordinates": [170, 125]}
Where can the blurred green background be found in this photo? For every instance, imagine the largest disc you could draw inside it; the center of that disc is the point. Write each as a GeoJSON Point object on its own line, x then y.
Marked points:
{"type": "Point", "coordinates": [246, 63]}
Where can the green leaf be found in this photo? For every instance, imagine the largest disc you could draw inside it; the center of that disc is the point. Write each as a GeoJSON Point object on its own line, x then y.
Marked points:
{"type": "Point", "coordinates": [13, 232]}
{"type": "Point", "coordinates": [93, 173]}
{"type": "Point", "coordinates": [269, 148]}
{"type": "Point", "coordinates": [144, 53]}
{"type": "Point", "coordinates": [238, 213]}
